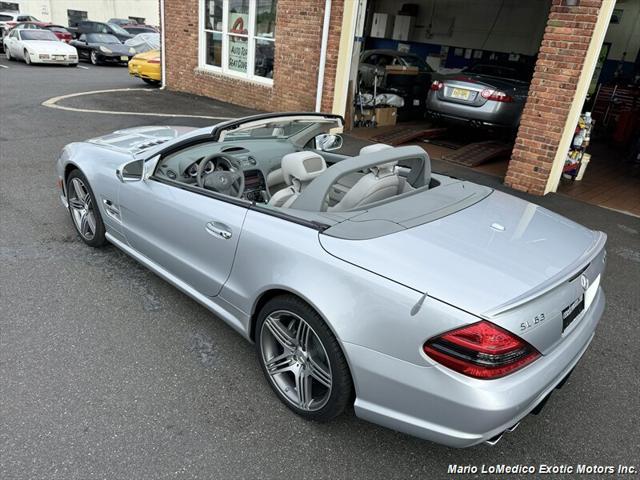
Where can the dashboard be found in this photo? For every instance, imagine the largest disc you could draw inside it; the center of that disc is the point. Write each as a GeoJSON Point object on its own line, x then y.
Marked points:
{"type": "Point", "coordinates": [257, 162]}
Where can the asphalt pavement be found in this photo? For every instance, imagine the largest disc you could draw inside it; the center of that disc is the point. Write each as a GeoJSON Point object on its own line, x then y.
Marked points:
{"type": "Point", "coordinates": [107, 371]}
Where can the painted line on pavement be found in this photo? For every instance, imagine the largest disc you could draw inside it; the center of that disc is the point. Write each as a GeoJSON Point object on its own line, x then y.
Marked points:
{"type": "Point", "coordinates": [83, 67]}
{"type": "Point", "coordinates": [4, 66]}
{"type": "Point", "coordinates": [53, 103]}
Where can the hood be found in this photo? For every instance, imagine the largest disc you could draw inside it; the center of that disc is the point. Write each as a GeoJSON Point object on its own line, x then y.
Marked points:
{"type": "Point", "coordinates": [486, 256]}
{"type": "Point", "coordinates": [117, 48]}
{"type": "Point", "coordinates": [50, 46]}
{"type": "Point", "coordinates": [135, 140]}
{"type": "Point", "coordinates": [148, 55]}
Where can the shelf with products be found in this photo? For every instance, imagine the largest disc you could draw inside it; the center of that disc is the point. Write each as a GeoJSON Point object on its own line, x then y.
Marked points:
{"type": "Point", "coordinates": [577, 159]}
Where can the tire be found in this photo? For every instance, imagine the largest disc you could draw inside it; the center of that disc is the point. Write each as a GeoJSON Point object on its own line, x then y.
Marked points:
{"type": "Point", "coordinates": [27, 58]}
{"type": "Point", "coordinates": [8, 55]}
{"type": "Point", "coordinates": [84, 211]}
{"type": "Point", "coordinates": [149, 81]}
{"type": "Point", "coordinates": [94, 58]}
{"type": "Point", "coordinates": [317, 362]}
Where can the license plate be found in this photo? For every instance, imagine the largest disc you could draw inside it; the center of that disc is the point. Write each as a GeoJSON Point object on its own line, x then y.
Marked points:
{"type": "Point", "coordinates": [460, 93]}
{"type": "Point", "coordinates": [570, 313]}
{"type": "Point", "coordinates": [58, 57]}
{"type": "Point", "coordinates": [124, 59]}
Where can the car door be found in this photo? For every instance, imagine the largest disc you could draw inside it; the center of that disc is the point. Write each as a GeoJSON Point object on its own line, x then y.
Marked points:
{"type": "Point", "coordinates": [14, 46]}
{"type": "Point", "coordinates": [81, 46]}
{"type": "Point", "coordinates": [189, 232]}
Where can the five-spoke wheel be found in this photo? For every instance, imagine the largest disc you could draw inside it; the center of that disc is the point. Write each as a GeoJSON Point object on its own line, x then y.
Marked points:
{"type": "Point", "coordinates": [84, 211]}
{"type": "Point", "coordinates": [302, 359]}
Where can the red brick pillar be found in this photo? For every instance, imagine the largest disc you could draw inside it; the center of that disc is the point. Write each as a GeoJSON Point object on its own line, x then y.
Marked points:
{"type": "Point", "coordinates": [564, 45]}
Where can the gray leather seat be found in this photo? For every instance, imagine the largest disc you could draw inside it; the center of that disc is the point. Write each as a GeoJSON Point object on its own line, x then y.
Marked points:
{"type": "Point", "coordinates": [344, 184]}
{"type": "Point", "coordinates": [298, 170]}
{"type": "Point", "coordinates": [380, 183]}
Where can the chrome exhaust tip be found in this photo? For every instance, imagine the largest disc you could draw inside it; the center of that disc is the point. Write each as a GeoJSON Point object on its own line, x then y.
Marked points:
{"type": "Point", "coordinates": [494, 440]}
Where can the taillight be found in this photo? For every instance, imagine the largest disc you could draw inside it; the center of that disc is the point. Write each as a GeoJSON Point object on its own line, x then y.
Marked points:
{"type": "Point", "coordinates": [154, 60]}
{"type": "Point", "coordinates": [437, 85]}
{"type": "Point", "coordinates": [496, 95]}
{"type": "Point", "coordinates": [481, 350]}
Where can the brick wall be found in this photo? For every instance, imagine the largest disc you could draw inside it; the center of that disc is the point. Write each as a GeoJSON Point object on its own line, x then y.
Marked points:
{"type": "Point", "coordinates": [564, 45]}
{"type": "Point", "coordinates": [297, 56]}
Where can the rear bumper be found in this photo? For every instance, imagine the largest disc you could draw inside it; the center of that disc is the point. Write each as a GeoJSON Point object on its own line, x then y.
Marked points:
{"type": "Point", "coordinates": [491, 114]}
{"type": "Point", "coordinates": [437, 404]}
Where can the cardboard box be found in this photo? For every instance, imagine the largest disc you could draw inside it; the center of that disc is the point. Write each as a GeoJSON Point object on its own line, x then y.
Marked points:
{"type": "Point", "coordinates": [386, 116]}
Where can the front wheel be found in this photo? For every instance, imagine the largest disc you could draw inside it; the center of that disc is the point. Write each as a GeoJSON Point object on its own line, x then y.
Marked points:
{"type": "Point", "coordinates": [27, 58]}
{"type": "Point", "coordinates": [94, 58]}
{"type": "Point", "coordinates": [84, 210]}
{"type": "Point", "coordinates": [302, 359]}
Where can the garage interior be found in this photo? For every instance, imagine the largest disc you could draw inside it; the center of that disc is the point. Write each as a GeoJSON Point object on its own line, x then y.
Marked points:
{"type": "Point", "coordinates": [453, 37]}
{"type": "Point", "coordinates": [607, 172]}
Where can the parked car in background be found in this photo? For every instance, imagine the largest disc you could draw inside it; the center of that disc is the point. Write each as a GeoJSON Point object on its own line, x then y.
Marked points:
{"type": "Point", "coordinates": [147, 67]}
{"type": "Point", "coordinates": [135, 29]}
{"type": "Point", "coordinates": [38, 46]}
{"type": "Point", "coordinates": [89, 26]}
{"type": "Point", "coordinates": [119, 21]}
{"type": "Point", "coordinates": [484, 95]}
{"type": "Point", "coordinates": [401, 73]}
{"type": "Point", "coordinates": [9, 18]}
{"type": "Point", "coordinates": [58, 30]}
{"type": "Point", "coordinates": [143, 42]}
{"type": "Point", "coordinates": [102, 48]}
{"type": "Point", "coordinates": [374, 62]}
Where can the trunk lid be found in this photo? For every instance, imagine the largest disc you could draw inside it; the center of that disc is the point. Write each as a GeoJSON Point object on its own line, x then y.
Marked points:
{"type": "Point", "coordinates": [466, 88]}
{"type": "Point", "coordinates": [488, 259]}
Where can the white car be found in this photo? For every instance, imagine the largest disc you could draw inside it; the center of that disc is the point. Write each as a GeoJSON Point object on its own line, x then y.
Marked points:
{"type": "Point", "coordinates": [38, 46]}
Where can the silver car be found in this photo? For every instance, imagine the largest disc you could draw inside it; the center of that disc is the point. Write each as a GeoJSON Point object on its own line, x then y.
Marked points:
{"type": "Point", "coordinates": [437, 307]}
{"type": "Point", "coordinates": [483, 95]}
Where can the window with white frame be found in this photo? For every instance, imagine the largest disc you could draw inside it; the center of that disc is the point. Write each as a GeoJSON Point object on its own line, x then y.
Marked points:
{"type": "Point", "coordinates": [237, 37]}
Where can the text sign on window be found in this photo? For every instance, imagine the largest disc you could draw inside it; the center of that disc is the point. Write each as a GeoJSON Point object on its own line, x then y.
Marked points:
{"type": "Point", "coordinates": [238, 46]}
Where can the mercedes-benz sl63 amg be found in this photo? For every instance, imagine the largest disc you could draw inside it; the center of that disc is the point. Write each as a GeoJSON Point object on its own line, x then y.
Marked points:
{"type": "Point", "coordinates": [438, 307]}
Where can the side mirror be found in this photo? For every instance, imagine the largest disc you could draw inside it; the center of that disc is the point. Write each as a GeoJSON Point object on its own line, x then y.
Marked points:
{"type": "Point", "coordinates": [131, 172]}
{"type": "Point", "coordinates": [328, 142]}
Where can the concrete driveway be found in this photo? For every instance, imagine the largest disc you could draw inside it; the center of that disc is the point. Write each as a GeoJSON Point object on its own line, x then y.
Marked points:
{"type": "Point", "coordinates": [106, 371]}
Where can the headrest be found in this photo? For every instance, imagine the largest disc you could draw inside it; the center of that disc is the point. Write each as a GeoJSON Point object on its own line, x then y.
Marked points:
{"type": "Point", "coordinates": [384, 170]}
{"type": "Point", "coordinates": [374, 147]}
{"type": "Point", "coordinates": [302, 166]}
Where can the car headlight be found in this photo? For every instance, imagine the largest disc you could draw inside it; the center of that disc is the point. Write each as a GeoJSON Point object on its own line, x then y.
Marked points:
{"type": "Point", "coordinates": [132, 51]}
{"type": "Point", "coordinates": [105, 49]}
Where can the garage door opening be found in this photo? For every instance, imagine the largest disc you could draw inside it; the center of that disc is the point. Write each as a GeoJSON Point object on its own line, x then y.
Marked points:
{"type": "Point", "coordinates": [602, 166]}
{"type": "Point", "coordinates": [449, 75]}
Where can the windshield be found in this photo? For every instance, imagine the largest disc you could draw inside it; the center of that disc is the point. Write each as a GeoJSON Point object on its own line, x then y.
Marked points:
{"type": "Point", "coordinates": [275, 129]}
{"type": "Point", "coordinates": [118, 29]}
{"type": "Point", "coordinates": [102, 38]}
{"type": "Point", "coordinates": [501, 71]}
{"type": "Point", "coordinates": [415, 61]}
{"type": "Point", "coordinates": [38, 35]}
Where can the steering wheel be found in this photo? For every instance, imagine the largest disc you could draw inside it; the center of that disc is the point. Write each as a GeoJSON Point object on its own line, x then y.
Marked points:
{"type": "Point", "coordinates": [228, 182]}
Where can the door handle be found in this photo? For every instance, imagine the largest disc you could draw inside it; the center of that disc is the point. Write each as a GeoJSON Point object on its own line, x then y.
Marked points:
{"type": "Point", "coordinates": [219, 230]}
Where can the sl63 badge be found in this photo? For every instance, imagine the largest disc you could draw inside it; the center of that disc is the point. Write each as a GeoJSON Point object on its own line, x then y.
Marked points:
{"type": "Point", "coordinates": [537, 320]}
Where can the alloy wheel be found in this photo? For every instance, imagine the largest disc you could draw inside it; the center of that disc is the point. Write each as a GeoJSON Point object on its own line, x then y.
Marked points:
{"type": "Point", "coordinates": [82, 209]}
{"type": "Point", "coordinates": [94, 58]}
{"type": "Point", "coordinates": [296, 360]}
{"type": "Point", "coordinates": [27, 58]}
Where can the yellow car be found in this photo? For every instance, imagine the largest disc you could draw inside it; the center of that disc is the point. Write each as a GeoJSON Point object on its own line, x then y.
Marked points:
{"type": "Point", "coordinates": [147, 67]}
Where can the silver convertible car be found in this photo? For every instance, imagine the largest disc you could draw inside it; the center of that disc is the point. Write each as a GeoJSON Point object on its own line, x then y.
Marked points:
{"type": "Point", "coordinates": [437, 307]}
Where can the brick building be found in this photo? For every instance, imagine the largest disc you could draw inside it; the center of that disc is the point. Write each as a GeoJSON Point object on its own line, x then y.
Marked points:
{"type": "Point", "coordinates": [267, 54]}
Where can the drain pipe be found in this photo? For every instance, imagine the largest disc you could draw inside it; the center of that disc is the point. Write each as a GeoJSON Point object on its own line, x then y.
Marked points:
{"type": "Point", "coordinates": [163, 66]}
{"type": "Point", "coordinates": [323, 53]}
